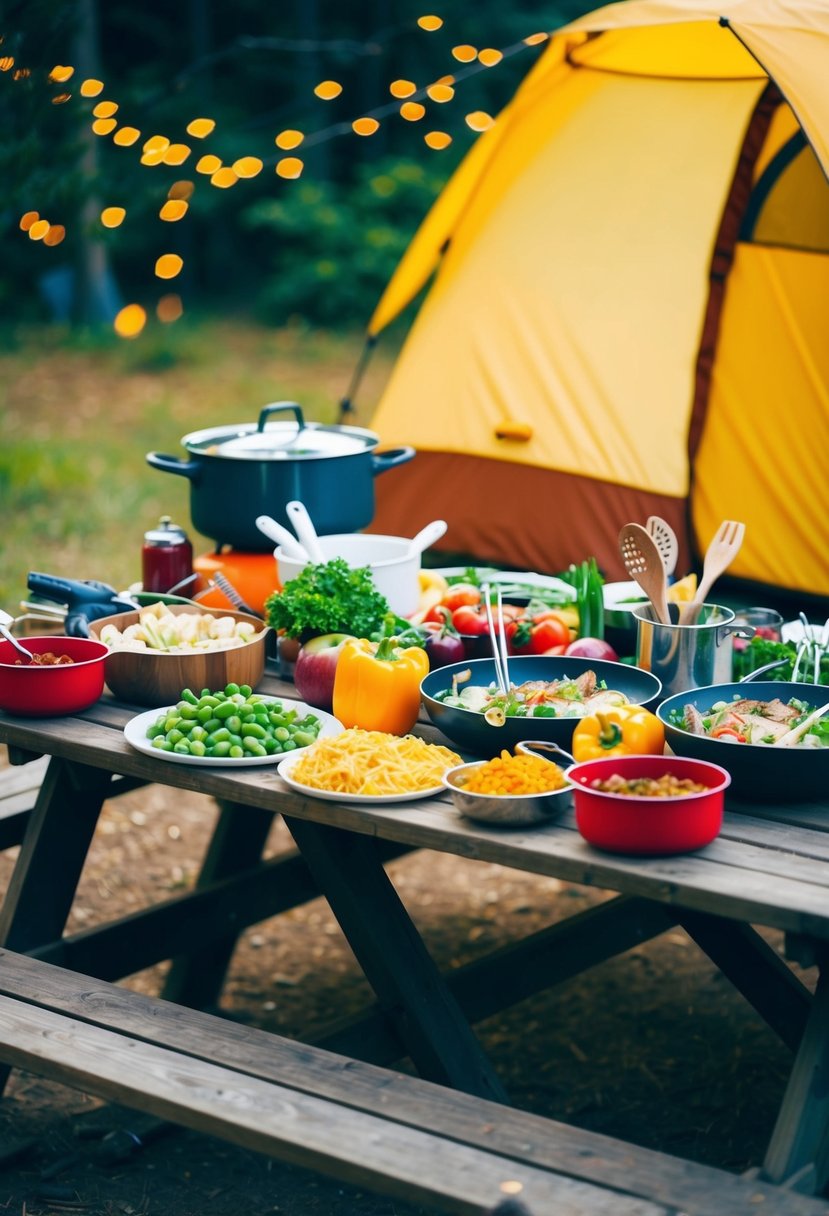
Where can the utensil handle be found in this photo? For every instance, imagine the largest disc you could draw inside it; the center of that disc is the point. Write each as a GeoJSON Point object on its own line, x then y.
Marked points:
{"type": "Point", "coordinates": [792, 736]}
{"type": "Point", "coordinates": [497, 640]}
{"type": "Point", "coordinates": [281, 407]}
{"type": "Point", "coordinates": [304, 528]}
{"type": "Point", "coordinates": [281, 536]}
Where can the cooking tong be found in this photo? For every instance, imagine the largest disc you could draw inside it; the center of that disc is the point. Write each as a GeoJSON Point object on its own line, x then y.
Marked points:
{"type": "Point", "coordinates": [85, 599]}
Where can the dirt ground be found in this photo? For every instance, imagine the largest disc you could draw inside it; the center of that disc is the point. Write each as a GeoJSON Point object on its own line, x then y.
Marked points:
{"type": "Point", "coordinates": [655, 1046]}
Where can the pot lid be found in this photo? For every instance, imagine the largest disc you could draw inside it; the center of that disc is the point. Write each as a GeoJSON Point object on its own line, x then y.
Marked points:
{"type": "Point", "coordinates": [281, 441]}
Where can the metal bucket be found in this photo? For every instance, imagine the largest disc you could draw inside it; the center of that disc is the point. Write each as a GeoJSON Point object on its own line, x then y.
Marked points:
{"type": "Point", "coordinates": [688, 656]}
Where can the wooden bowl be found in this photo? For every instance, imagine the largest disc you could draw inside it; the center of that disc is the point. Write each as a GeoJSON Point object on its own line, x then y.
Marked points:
{"type": "Point", "coordinates": [152, 677]}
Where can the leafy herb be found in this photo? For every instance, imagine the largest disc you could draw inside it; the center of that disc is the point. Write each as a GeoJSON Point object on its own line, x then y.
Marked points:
{"type": "Point", "coordinates": [327, 598]}
{"type": "Point", "coordinates": [760, 651]}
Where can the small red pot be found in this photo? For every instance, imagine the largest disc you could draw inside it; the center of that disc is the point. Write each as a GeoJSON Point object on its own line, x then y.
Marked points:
{"type": "Point", "coordinates": [33, 691]}
{"type": "Point", "coordinates": [620, 823]}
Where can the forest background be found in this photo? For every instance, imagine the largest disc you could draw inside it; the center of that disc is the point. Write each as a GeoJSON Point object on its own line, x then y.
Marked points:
{"type": "Point", "coordinates": [273, 278]}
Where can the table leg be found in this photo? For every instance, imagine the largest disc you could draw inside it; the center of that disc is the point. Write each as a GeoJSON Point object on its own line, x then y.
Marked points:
{"type": "Point", "coordinates": [52, 856]}
{"type": "Point", "coordinates": [432, 1029]}
{"type": "Point", "coordinates": [798, 1153]}
{"type": "Point", "coordinates": [196, 979]}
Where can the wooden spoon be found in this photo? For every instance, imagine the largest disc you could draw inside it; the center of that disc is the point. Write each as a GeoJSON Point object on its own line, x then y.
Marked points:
{"type": "Point", "coordinates": [643, 562]}
{"type": "Point", "coordinates": [665, 540]}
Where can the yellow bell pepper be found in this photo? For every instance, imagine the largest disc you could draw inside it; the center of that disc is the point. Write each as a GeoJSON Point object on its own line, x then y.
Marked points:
{"type": "Point", "coordinates": [377, 685]}
{"type": "Point", "coordinates": [624, 730]}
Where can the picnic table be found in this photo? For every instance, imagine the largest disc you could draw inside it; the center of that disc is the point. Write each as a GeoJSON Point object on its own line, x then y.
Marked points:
{"type": "Point", "coordinates": [447, 1136]}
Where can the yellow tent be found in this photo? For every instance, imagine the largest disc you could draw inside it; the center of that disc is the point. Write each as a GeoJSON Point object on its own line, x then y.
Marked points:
{"type": "Point", "coordinates": [630, 314]}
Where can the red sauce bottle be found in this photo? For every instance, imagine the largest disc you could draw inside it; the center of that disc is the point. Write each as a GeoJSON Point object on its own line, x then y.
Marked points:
{"type": "Point", "coordinates": [166, 556]}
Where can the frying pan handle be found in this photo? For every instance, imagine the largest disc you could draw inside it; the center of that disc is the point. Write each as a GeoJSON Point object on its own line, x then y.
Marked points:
{"type": "Point", "coordinates": [172, 464]}
{"type": "Point", "coordinates": [281, 407]}
{"type": "Point", "coordinates": [759, 671]}
{"type": "Point", "coordinates": [737, 631]}
{"type": "Point", "coordinates": [381, 461]}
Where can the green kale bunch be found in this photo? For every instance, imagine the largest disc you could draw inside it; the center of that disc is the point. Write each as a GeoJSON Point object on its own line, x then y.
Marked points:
{"type": "Point", "coordinates": [327, 598]}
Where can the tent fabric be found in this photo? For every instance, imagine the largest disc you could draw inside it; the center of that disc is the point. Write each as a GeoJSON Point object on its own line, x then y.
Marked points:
{"type": "Point", "coordinates": [604, 312]}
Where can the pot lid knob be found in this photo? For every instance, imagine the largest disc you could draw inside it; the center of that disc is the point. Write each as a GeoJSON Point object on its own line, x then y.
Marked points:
{"type": "Point", "coordinates": [167, 533]}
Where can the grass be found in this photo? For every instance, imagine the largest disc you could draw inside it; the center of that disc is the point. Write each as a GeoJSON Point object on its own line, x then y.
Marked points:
{"type": "Point", "coordinates": [79, 415]}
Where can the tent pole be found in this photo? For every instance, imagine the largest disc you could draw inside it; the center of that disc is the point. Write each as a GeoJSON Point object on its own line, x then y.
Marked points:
{"type": "Point", "coordinates": [347, 402]}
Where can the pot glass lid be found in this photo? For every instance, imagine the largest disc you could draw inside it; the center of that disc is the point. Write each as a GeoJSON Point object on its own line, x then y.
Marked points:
{"type": "Point", "coordinates": [280, 441]}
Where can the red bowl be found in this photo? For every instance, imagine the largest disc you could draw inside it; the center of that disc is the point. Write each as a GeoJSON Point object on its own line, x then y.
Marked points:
{"type": "Point", "coordinates": [33, 691]}
{"type": "Point", "coordinates": [621, 823]}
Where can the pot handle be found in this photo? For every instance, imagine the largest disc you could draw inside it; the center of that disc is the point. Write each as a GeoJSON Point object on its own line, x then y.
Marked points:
{"type": "Point", "coordinates": [172, 464]}
{"type": "Point", "coordinates": [737, 631]}
{"type": "Point", "coordinates": [281, 407]}
{"type": "Point", "coordinates": [380, 461]}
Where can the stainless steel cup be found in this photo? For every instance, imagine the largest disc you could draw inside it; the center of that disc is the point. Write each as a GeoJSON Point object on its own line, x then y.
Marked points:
{"type": "Point", "coordinates": [688, 656]}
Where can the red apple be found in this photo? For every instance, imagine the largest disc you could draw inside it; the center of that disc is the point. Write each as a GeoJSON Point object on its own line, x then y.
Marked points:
{"type": "Point", "coordinates": [315, 667]}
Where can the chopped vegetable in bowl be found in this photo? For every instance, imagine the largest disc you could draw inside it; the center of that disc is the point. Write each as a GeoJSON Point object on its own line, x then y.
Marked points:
{"type": "Point", "coordinates": [744, 720]}
{"type": "Point", "coordinates": [565, 698]}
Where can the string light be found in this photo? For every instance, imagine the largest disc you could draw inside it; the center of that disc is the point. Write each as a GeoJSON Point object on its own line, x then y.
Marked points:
{"type": "Point", "coordinates": [407, 101]}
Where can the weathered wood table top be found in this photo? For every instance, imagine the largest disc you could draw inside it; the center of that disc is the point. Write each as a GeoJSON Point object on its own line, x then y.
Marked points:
{"type": "Point", "coordinates": [768, 868]}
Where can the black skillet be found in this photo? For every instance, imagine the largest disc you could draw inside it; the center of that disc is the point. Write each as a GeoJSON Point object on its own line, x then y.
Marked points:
{"type": "Point", "coordinates": [470, 731]}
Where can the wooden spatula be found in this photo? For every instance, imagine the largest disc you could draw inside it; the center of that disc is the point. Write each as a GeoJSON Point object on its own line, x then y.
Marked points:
{"type": "Point", "coordinates": [719, 555]}
{"type": "Point", "coordinates": [643, 562]}
{"type": "Point", "coordinates": [665, 540]}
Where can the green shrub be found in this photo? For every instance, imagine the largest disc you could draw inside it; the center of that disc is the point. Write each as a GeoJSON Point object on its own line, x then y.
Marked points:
{"type": "Point", "coordinates": [330, 249]}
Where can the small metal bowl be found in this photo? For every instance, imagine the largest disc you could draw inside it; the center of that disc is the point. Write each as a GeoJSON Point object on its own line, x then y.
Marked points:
{"type": "Point", "coordinates": [502, 810]}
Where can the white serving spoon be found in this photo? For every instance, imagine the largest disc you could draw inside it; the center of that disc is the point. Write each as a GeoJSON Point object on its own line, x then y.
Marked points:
{"type": "Point", "coordinates": [297, 513]}
{"type": "Point", "coordinates": [427, 536]}
{"type": "Point", "coordinates": [281, 536]}
{"type": "Point", "coordinates": [9, 636]}
{"type": "Point", "coordinates": [792, 736]}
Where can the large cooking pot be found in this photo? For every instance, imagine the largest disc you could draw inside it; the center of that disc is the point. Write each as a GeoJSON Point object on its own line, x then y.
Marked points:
{"type": "Point", "coordinates": [239, 472]}
{"type": "Point", "coordinates": [758, 772]}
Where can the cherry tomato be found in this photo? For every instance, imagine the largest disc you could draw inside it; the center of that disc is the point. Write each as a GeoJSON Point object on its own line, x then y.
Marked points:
{"type": "Point", "coordinates": [460, 594]}
{"type": "Point", "coordinates": [470, 618]}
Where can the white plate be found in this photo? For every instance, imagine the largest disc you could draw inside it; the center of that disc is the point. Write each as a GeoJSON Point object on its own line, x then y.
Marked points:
{"type": "Point", "coordinates": [616, 595]}
{"type": "Point", "coordinates": [288, 763]}
{"type": "Point", "coordinates": [526, 578]}
{"type": "Point", "coordinates": [135, 733]}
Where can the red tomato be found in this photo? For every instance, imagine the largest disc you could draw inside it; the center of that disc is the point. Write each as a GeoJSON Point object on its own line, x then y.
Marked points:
{"type": "Point", "coordinates": [438, 615]}
{"type": "Point", "coordinates": [518, 633]}
{"type": "Point", "coordinates": [470, 618]}
{"type": "Point", "coordinates": [525, 636]}
{"type": "Point", "coordinates": [548, 633]}
{"type": "Point", "coordinates": [461, 594]}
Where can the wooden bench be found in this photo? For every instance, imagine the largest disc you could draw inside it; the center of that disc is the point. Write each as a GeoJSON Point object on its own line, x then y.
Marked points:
{"type": "Point", "coordinates": [355, 1122]}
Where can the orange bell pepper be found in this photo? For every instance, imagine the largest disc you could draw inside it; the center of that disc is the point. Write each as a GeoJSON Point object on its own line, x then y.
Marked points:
{"type": "Point", "coordinates": [377, 685]}
{"type": "Point", "coordinates": [624, 730]}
